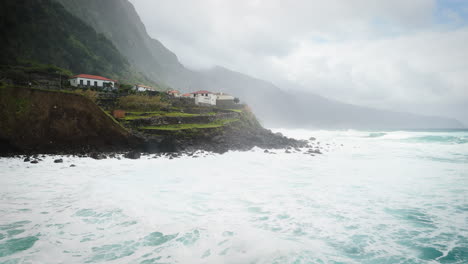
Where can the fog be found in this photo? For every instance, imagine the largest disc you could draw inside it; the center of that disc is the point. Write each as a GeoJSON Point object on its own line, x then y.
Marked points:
{"type": "Point", "coordinates": [399, 55]}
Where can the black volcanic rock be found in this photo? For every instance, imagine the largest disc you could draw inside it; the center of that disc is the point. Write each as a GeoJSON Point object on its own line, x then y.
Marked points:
{"type": "Point", "coordinates": [97, 156]}
{"type": "Point", "coordinates": [133, 155]}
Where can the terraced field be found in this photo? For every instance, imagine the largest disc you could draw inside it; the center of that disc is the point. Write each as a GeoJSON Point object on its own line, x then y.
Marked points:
{"type": "Point", "coordinates": [215, 124]}
{"type": "Point", "coordinates": [143, 115]}
{"type": "Point", "coordinates": [167, 122]}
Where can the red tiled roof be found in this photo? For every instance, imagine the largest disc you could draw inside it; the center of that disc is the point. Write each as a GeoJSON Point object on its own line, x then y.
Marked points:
{"type": "Point", "coordinates": [93, 77]}
{"type": "Point", "coordinates": [173, 92]}
{"type": "Point", "coordinates": [202, 92]}
{"type": "Point", "coordinates": [187, 94]}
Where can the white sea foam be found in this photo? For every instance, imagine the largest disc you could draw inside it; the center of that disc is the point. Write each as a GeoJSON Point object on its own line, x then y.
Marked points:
{"type": "Point", "coordinates": [383, 199]}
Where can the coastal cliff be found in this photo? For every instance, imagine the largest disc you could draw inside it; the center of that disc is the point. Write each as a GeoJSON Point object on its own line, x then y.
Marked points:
{"type": "Point", "coordinates": [39, 121]}
{"type": "Point", "coordinates": [216, 132]}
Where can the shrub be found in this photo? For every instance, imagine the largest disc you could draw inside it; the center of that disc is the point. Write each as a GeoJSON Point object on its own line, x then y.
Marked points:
{"type": "Point", "coordinates": [17, 75]}
{"type": "Point", "coordinates": [142, 103]}
{"type": "Point", "coordinates": [90, 94]}
{"type": "Point", "coordinates": [126, 89]}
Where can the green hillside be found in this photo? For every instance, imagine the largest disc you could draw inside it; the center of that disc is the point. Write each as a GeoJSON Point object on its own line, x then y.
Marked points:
{"type": "Point", "coordinates": [121, 24]}
{"type": "Point", "coordinates": [43, 31]}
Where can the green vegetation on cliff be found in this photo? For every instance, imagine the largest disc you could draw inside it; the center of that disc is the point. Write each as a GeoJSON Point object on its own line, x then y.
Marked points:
{"type": "Point", "coordinates": [39, 120]}
{"type": "Point", "coordinates": [142, 103]}
{"type": "Point", "coordinates": [142, 115]}
{"type": "Point", "coordinates": [120, 23]}
{"type": "Point", "coordinates": [216, 124]}
{"type": "Point", "coordinates": [44, 32]}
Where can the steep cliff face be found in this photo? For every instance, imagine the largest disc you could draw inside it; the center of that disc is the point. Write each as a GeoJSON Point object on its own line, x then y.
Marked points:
{"type": "Point", "coordinates": [39, 121]}
{"type": "Point", "coordinates": [44, 31]}
{"type": "Point", "coordinates": [118, 20]}
{"type": "Point", "coordinates": [44, 121]}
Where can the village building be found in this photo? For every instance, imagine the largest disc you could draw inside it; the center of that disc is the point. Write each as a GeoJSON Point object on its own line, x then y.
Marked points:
{"type": "Point", "coordinates": [174, 93]}
{"type": "Point", "coordinates": [204, 98]}
{"type": "Point", "coordinates": [143, 88]}
{"type": "Point", "coordinates": [90, 81]}
{"type": "Point", "coordinates": [224, 100]}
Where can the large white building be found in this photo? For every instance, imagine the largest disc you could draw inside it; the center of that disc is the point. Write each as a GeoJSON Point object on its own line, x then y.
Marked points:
{"type": "Point", "coordinates": [204, 98]}
{"type": "Point", "coordinates": [89, 81]}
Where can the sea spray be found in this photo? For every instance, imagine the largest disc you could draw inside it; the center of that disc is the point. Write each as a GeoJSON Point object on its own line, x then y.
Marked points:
{"type": "Point", "coordinates": [365, 200]}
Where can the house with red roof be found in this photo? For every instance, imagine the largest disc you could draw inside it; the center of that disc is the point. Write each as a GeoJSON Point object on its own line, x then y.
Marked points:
{"type": "Point", "coordinates": [89, 81]}
{"type": "Point", "coordinates": [204, 97]}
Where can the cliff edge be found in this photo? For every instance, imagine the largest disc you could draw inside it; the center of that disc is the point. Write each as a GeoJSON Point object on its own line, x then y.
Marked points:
{"type": "Point", "coordinates": [39, 121]}
{"type": "Point", "coordinates": [34, 121]}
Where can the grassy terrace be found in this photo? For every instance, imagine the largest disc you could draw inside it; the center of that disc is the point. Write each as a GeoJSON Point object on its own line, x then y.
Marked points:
{"type": "Point", "coordinates": [215, 124]}
{"type": "Point", "coordinates": [141, 115]}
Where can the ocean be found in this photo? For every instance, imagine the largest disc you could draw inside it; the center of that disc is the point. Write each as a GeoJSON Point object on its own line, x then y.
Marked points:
{"type": "Point", "coordinates": [371, 197]}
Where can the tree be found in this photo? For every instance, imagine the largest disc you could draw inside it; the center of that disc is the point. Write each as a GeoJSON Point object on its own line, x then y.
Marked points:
{"type": "Point", "coordinates": [236, 100]}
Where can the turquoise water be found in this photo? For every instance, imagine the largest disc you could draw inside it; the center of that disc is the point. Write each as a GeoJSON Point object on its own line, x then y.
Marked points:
{"type": "Point", "coordinates": [373, 197]}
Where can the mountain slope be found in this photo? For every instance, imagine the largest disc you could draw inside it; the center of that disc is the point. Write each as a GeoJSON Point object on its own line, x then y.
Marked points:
{"type": "Point", "coordinates": [43, 31]}
{"type": "Point", "coordinates": [275, 107]}
{"type": "Point", "coordinates": [119, 21]}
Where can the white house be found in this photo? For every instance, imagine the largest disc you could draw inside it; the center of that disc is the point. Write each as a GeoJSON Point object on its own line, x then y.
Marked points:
{"type": "Point", "coordinates": [223, 96]}
{"type": "Point", "coordinates": [143, 88]}
{"type": "Point", "coordinates": [204, 98]}
{"type": "Point", "coordinates": [225, 100]}
{"type": "Point", "coordinates": [86, 80]}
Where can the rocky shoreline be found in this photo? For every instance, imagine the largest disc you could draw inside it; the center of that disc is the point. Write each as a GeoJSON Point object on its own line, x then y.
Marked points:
{"type": "Point", "coordinates": [309, 148]}
{"type": "Point", "coordinates": [174, 147]}
{"type": "Point", "coordinates": [36, 122]}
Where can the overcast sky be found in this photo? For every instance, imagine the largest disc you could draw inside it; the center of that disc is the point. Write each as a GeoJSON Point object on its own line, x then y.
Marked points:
{"type": "Point", "coordinates": [409, 55]}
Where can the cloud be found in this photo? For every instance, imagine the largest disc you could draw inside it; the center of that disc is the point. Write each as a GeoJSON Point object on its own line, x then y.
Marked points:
{"type": "Point", "coordinates": [218, 29]}
{"type": "Point", "coordinates": [384, 54]}
{"type": "Point", "coordinates": [427, 67]}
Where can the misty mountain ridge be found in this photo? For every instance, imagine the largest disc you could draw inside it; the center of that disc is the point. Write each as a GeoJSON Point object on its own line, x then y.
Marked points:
{"type": "Point", "coordinates": [274, 107]}
{"type": "Point", "coordinates": [301, 109]}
